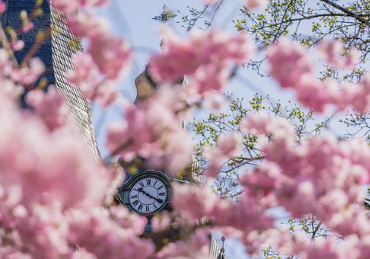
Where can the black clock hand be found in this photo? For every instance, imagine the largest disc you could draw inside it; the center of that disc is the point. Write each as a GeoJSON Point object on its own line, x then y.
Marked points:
{"type": "Point", "coordinates": [147, 194]}
{"type": "Point", "coordinates": [150, 196]}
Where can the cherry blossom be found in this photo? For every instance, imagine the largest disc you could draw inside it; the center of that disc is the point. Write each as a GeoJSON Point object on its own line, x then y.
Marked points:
{"type": "Point", "coordinates": [85, 71]}
{"type": "Point", "coordinates": [253, 4]}
{"type": "Point", "coordinates": [191, 201]}
{"type": "Point", "coordinates": [203, 56]}
{"type": "Point", "coordinates": [71, 6]}
{"type": "Point", "coordinates": [289, 62]}
{"type": "Point", "coordinates": [152, 131]}
{"type": "Point", "coordinates": [105, 93]}
{"type": "Point", "coordinates": [214, 102]}
{"type": "Point", "coordinates": [27, 76]}
{"type": "Point", "coordinates": [195, 202]}
{"type": "Point", "coordinates": [49, 163]}
{"type": "Point", "coordinates": [128, 220]}
{"type": "Point", "coordinates": [316, 177]}
{"type": "Point", "coordinates": [197, 247]}
{"type": "Point", "coordinates": [292, 67]}
{"type": "Point", "coordinates": [161, 221]}
{"type": "Point", "coordinates": [49, 106]}
{"type": "Point", "coordinates": [227, 147]}
{"type": "Point", "coordinates": [250, 4]}
{"type": "Point", "coordinates": [101, 237]}
{"type": "Point", "coordinates": [111, 55]}
{"type": "Point", "coordinates": [18, 45]}
{"type": "Point", "coordinates": [330, 51]}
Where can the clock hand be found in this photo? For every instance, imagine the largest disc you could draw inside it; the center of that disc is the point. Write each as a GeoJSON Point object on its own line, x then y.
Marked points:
{"type": "Point", "coordinates": [150, 196]}
{"type": "Point", "coordinates": [147, 194]}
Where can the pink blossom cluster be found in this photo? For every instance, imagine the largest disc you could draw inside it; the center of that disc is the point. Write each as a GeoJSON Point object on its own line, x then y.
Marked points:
{"type": "Point", "coordinates": [102, 237]}
{"type": "Point", "coordinates": [328, 92]}
{"type": "Point", "coordinates": [25, 76]}
{"type": "Point", "coordinates": [17, 45]}
{"type": "Point", "coordinates": [329, 50]}
{"type": "Point", "coordinates": [108, 58]}
{"type": "Point", "coordinates": [46, 230]}
{"type": "Point", "coordinates": [298, 244]}
{"type": "Point", "coordinates": [292, 67]}
{"type": "Point", "coordinates": [152, 131]}
{"type": "Point", "coordinates": [28, 75]}
{"type": "Point", "coordinates": [319, 176]}
{"type": "Point", "coordinates": [50, 107]}
{"type": "Point", "coordinates": [250, 4]}
{"type": "Point", "coordinates": [196, 246]}
{"type": "Point", "coordinates": [46, 163]}
{"type": "Point", "coordinates": [289, 62]}
{"type": "Point", "coordinates": [86, 76]}
{"type": "Point", "coordinates": [206, 57]}
{"type": "Point", "coordinates": [161, 221]}
{"type": "Point", "coordinates": [52, 190]}
{"type": "Point", "coordinates": [195, 203]}
{"type": "Point", "coordinates": [46, 171]}
{"type": "Point", "coordinates": [42, 229]}
{"type": "Point", "coordinates": [110, 54]}
{"type": "Point", "coordinates": [70, 6]}
{"type": "Point", "coordinates": [238, 219]}
{"type": "Point", "coordinates": [227, 147]}
{"type": "Point", "coordinates": [263, 123]}
{"type": "Point", "coordinates": [253, 4]}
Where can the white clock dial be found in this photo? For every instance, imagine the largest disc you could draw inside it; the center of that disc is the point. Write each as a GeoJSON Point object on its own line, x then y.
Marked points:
{"type": "Point", "coordinates": [148, 195]}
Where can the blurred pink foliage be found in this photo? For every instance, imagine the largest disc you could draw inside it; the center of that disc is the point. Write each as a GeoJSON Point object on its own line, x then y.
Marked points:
{"type": "Point", "coordinates": [292, 66]}
{"type": "Point", "coordinates": [52, 190]}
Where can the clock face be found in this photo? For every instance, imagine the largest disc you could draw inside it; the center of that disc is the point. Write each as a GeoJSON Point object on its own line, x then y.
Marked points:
{"type": "Point", "coordinates": [148, 195]}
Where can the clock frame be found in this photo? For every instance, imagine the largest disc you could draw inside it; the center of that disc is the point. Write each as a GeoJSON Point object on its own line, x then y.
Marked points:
{"type": "Point", "coordinates": [146, 193]}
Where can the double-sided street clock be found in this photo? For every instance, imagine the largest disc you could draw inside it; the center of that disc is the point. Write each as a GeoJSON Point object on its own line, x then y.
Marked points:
{"type": "Point", "coordinates": [146, 193]}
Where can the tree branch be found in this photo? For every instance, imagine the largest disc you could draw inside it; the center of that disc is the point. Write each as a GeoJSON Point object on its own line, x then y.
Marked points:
{"type": "Point", "coordinates": [316, 229]}
{"type": "Point", "coordinates": [319, 15]}
{"type": "Point", "coordinates": [345, 10]}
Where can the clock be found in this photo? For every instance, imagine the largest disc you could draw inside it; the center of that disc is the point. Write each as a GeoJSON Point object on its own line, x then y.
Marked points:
{"type": "Point", "coordinates": [146, 193]}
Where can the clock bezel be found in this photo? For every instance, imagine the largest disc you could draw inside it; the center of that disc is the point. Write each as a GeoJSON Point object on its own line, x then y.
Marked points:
{"type": "Point", "coordinates": [124, 191]}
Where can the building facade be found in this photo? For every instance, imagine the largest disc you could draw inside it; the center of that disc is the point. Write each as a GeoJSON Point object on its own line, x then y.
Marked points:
{"type": "Point", "coordinates": [56, 52]}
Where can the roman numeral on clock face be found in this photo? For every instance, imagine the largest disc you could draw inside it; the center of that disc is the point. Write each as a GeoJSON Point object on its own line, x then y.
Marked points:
{"type": "Point", "coordinates": [148, 181]}
{"type": "Point", "coordinates": [140, 207]}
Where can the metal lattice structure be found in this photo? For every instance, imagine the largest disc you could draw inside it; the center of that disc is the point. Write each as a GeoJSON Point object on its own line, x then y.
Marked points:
{"type": "Point", "coordinates": [56, 52]}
